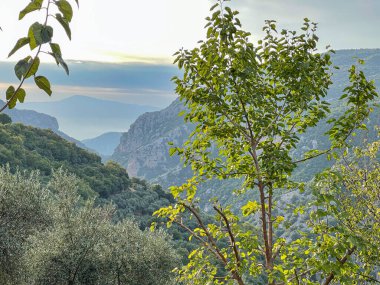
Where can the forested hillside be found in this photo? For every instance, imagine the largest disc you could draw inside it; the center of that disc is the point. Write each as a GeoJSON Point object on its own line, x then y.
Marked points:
{"type": "Point", "coordinates": [27, 148]}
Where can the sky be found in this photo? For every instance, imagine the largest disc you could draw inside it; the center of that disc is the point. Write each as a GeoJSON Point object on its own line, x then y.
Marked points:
{"type": "Point", "coordinates": [150, 31]}
{"type": "Point", "coordinates": [144, 34]}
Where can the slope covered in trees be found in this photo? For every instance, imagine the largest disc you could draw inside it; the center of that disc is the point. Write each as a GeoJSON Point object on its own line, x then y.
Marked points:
{"type": "Point", "coordinates": [27, 148]}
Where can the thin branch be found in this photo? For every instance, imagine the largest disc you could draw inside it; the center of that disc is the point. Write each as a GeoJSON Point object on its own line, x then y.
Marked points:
{"type": "Point", "coordinates": [296, 276]}
{"type": "Point", "coordinates": [342, 261]}
{"type": "Point", "coordinates": [314, 156]}
{"type": "Point", "coordinates": [231, 235]}
{"type": "Point", "coordinates": [208, 234]}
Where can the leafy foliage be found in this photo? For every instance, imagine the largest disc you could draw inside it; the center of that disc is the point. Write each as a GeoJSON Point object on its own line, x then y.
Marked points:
{"type": "Point", "coordinates": [28, 148]}
{"type": "Point", "coordinates": [20, 195]}
{"type": "Point", "coordinates": [5, 119]}
{"type": "Point", "coordinates": [40, 35]}
{"type": "Point", "coordinates": [69, 240]}
{"type": "Point", "coordinates": [250, 105]}
{"type": "Point", "coordinates": [347, 221]}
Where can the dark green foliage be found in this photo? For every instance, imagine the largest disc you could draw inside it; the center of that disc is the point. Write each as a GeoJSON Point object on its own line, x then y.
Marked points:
{"type": "Point", "coordinates": [29, 148]}
{"type": "Point", "coordinates": [5, 119]}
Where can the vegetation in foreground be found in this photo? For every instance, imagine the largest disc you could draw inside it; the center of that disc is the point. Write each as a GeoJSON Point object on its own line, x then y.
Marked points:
{"type": "Point", "coordinates": [51, 235]}
{"type": "Point", "coordinates": [251, 103]}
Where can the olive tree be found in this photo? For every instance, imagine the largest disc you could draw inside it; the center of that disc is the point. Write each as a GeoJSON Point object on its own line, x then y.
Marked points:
{"type": "Point", "coordinates": [23, 212]}
{"type": "Point", "coordinates": [250, 103]}
{"type": "Point", "coordinates": [83, 246]}
{"type": "Point", "coordinates": [131, 256]}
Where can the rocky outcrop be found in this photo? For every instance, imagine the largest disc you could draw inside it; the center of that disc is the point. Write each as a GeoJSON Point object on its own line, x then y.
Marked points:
{"type": "Point", "coordinates": [144, 149]}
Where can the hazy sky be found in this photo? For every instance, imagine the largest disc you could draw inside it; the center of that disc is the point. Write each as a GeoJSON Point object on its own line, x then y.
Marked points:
{"type": "Point", "coordinates": [152, 30]}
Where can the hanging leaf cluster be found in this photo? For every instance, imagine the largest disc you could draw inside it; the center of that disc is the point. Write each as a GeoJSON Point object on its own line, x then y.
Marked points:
{"type": "Point", "coordinates": [39, 38]}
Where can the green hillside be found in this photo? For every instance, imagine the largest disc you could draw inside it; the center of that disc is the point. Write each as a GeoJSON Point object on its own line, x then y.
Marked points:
{"type": "Point", "coordinates": [28, 148]}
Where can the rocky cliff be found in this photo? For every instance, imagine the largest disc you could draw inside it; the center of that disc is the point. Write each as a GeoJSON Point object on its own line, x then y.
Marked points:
{"type": "Point", "coordinates": [144, 149]}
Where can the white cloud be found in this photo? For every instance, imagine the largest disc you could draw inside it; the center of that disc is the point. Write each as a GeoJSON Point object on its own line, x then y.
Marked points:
{"type": "Point", "coordinates": [156, 29]}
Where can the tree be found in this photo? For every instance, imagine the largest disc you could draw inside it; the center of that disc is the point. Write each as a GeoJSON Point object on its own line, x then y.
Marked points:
{"type": "Point", "coordinates": [65, 252]}
{"type": "Point", "coordinates": [20, 195]}
{"type": "Point", "coordinates": [250, 104]}
{"type": "Point", "coordinates": [82, 246]}
{"type": "Point", "coordinates": [5, 119]}
{"type": "Point", "coordinates": [347, 221]}
{"type": "Point", "coordinates": [40, 35]}
{"type": "Point", "coordinates": [133, 257]}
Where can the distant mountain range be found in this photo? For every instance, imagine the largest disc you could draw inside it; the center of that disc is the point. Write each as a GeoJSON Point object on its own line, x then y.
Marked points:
{"type": "Point", "coordinates": [39, 120]}
{"type": "Point", "coordinates": [140, 84]}
{"type": "Point", "coordinates": [120, 93]}
{"type": "Point", "coordinates": [104, 144]}
{"type": "Point", "coordinates": [85, 117]}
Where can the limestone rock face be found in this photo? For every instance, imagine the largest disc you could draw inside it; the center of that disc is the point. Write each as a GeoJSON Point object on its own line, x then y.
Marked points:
{"type": "Point", "coordinates": [144, 149]}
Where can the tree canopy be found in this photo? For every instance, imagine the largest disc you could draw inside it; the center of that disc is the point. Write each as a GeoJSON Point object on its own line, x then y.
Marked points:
{"type": "Point", "coordinates": [250, 103]}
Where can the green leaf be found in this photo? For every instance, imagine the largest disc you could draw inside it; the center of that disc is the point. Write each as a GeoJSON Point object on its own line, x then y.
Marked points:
{"type": "Point", "coordinates": [34, 67]}
{"type": "Point", "coordinates": [46, 34]}
{"type": "Point", "coordinates": [172, 151]}
{"type": "Point", "coordinates": [22, 67]}
{"type": "Point", "coordinates": [66, 10]}
{"type": "Point", "coordinates": [32, 6]}
{"type": "Point", "coordinates": [10, 91]}
{"type": "Point", "coordinates": [60, 61]}
{"type": "Point", "coordinates": [12, 100]}
{"type": "Point", "coordinates": [20, 95]}
{"type": "Point", "coordinates": [55, 48]}
{"type": "Point", "coordinates": [64, 65]}
{"type": "Point", "coordinates": [20, 43]}
{"type": "Point", "coordinates": [250, 207]}
{"type": "Point", "coordinates": [56, 52]}
{"type": "Point", "coordinates": [64, 24]}
{"type": "Point", "coordinates": [34, 35]}
{"type": "Point", "coordinates": [43, 83]}
{"type": "Point", "coordinates": [214, 6]}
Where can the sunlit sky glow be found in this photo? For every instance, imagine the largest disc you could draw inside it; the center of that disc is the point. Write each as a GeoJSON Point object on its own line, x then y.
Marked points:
{"type": "Point", "coordinates": [150, 31]}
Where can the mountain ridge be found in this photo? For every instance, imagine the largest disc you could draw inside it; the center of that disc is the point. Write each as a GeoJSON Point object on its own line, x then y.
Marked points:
{"type": "Point", "coordinates": [39, 120]}
{"type": "Point", "coordinates": [84, 117]}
